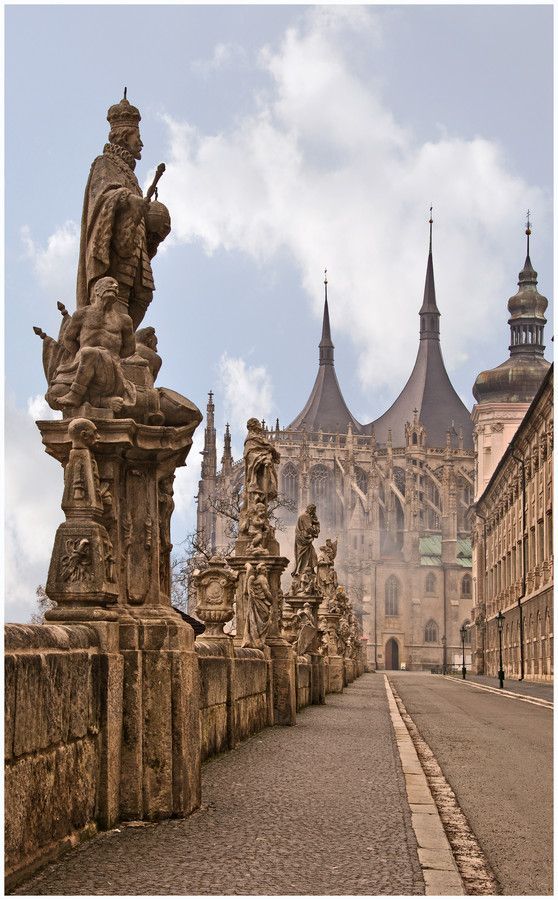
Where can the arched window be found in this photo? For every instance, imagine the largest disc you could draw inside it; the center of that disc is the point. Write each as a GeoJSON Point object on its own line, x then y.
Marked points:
{"type": "Point", "coordinates": [466, 586]}
{"type": "Point", "coordinates": [430, 632]}
{"type": "Point", "coordinates": [289, 482]}
{"type": "Point", "coordinates": [392, 596]}
{"type": "Point", "coordinates": [467, 625]}
{"type": "Point", "coordinates": [430, 584]}
{"type": "Point", "coordinates": [361, 479]}
{"type": "Point", "coordinates": [319, 486]}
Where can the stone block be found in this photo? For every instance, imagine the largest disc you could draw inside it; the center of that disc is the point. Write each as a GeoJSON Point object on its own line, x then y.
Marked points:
{"type": "Point", "coordinates": [157, 735]}
{"type": "Point", "coordinates": [30, 727]}
{"type": "Point", "coordinates": [437, 859]}
{"type": "Point", "coordinates": [213, 724]}
{"type": "Point", "coordinates": [186, 752]}
{"type": "Point", "coordinates": [442, 884]}
{"type": "Point", "coordinates": [10, 665]}
{"type": "Point", "coordinates": [429, 832]}
{"type": "Point", "coordinates": [212, 681]}
{"type": "Point", "coordinates": [79, 701]}
{"type": "Point", "coordinates": [250, 715]}
{"type": "Point", "coordinates": [131, 790]}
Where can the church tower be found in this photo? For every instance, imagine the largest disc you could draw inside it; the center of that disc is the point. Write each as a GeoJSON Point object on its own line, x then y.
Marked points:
{"type": "Point", "coordinates": [503, 394]}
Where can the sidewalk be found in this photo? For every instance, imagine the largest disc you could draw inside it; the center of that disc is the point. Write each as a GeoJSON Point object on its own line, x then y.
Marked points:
{"type": "Point", "coordinates": [541, 691]}
{"type": "Point", "coordinates": [319, 808]}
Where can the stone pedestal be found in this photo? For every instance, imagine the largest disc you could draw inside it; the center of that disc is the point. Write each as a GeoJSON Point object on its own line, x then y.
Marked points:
{"type": "Point", "coordinates": [336, 674]}
{"type": "Point", "coordinates": [156, 771]}
{"type": "Point", "coordinates": [283, 657]}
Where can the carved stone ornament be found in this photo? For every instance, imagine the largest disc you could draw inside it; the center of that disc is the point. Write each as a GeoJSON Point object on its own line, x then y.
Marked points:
{"type": "Point", "coordinates": [82, 562]}
{"type": "Point", "coordinates": [215, 588]}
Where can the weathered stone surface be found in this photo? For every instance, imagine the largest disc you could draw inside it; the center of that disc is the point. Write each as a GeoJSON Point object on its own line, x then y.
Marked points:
{"type": "Point", "coordinates": [10, 665]}
{"type": "Point", "coordinates": [250, 677]}
{"type": "Point", "coordinates": [49, 795]}
{"type": "Point", "coordinates": [213, 726]}
{"type": "Point", "coordinates": [157, 735]}
{"type": "Point", "coordinates": [213, 681]}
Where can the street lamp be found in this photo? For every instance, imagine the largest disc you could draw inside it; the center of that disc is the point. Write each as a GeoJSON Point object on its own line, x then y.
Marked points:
{"type": "Point", "coordinates": [463, 633]}
{"type": "Point", "coordinates": [500, 622]}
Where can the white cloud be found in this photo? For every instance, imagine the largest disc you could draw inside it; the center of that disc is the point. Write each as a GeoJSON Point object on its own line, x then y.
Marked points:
{"type": "Point", "coordinates": [224, 55]}
{"type": "Point", "coordinates": [186, 480]}
{"type": "Point", "coordinates": [38, 409]}
{"type": "Point", "coordinates": [55, 265]}
{"type": "Point", "coordinates": [34, 483]}
{"type": "Point", "coordinates": [323, 170]}
{"type": "Point", "coordinates": [247, 391]}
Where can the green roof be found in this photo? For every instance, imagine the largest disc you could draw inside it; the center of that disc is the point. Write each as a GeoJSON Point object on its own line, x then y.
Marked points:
{"type": "Point", "coordinates": [431, 551]}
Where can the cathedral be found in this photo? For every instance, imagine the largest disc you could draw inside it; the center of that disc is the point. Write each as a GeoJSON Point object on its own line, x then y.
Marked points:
{"type": "Point", "coordinates": [395, 493]}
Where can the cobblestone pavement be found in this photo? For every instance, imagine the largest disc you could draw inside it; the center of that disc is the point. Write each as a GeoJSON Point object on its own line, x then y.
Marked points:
{"type": "Point", "coordinates": [318, 808]}
{"type": "Point", "coordinates": [529, 688]}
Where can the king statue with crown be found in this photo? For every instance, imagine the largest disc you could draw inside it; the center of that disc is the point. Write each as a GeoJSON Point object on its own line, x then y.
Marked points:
{"type": "Point", "coordinates": [101, 371]}
{"type": "Point", "coordinates": [120, 229]}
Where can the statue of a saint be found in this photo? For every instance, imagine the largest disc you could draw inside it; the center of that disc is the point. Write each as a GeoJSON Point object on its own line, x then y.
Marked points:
{"type": "Point", "coordinates": [120, 229]}
{"type": "Point", "coordinates": [260, 459]}
{"type": "Point", "coordinates": [259, 600]}
{"type": "Point", "coordinates": [95, 340]}
{"type": "Point", "coordinates": [328, 552]}
{"type": "Point", "coordinates": [307, 529]}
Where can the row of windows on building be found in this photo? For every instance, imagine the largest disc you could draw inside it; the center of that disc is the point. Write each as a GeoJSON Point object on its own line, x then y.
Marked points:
{"type": "Point", "coordinates": [393, 591]}
{"type": "Point", "coordinates": [508, 569]}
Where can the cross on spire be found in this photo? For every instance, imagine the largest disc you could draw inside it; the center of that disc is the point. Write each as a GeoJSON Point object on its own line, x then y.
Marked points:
{"type": "Point", "coordinates": [528, 229]}
{"type": "Point", "coordinates": [430, 223]}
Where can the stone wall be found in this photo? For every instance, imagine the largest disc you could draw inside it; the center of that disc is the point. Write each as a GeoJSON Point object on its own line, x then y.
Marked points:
{"type": "Point", "coordinates": [55, 741]}
{"type": "Point", "coordinates": [70, 724]}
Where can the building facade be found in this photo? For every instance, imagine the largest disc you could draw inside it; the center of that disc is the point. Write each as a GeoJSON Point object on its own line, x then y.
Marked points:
{"type": "Point", "coordinates": [395, 493]}
{"type": "Point", "coordinates": [513, 552]}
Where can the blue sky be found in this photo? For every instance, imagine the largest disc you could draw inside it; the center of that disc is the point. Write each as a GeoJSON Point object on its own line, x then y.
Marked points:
{"type": "Point", "coordinates": [295, 138]}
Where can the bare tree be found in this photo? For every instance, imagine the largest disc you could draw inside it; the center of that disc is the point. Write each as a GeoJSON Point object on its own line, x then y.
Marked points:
{"type": "Point", "coordinates": [196, 549]}
{"type": "Point", "coordinates": [44, 604]}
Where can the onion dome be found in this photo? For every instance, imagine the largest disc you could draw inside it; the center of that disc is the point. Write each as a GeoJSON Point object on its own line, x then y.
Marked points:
{"type": "Point", "coordinates": [519, 377]}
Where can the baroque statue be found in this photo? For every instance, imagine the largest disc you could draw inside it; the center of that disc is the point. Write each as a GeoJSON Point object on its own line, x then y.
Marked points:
{"type": "Point", "coordinates": [120, 228]}
{"type": "Point", "coordinates": [328, 552]}
{"type": "Point", "coordinates": [258, 606]}
{"type": "Point", "coordinates": [260, 487]}
{"type": "Point", "coordinates": [306, 560]}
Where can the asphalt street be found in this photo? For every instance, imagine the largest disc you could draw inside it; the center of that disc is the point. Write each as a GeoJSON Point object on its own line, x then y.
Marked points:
{"type": "Point", "coordinates": [318, 808]}
{"type": "Point", "coordinates": [496, 754]}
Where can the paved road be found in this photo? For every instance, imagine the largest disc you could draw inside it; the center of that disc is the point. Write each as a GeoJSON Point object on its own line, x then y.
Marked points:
{"type": "Point", "coordinates": [496, 753]}
{"type": "Point", "coordinates": [315, 809]}
{"type": "Point", "coordinates": [540, 690]}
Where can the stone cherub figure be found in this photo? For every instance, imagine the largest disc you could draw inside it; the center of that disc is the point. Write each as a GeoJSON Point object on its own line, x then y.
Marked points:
{"type": "Point", "coordinates": [328, 552]}
{"type": "Point", "coordinates": [94, 341]}
{"type": "Point", "coordinates": [120, 229]}
{"type": "Point", "coordinates": [306, 560]}
{"type": "Point", "coordinates": [258, 604]}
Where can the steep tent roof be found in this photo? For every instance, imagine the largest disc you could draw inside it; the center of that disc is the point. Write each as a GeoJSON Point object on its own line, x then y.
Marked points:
{"type": "Point", "coordinates": [325, 408]}
{"type": "Point", "coordinates": [429, 389]}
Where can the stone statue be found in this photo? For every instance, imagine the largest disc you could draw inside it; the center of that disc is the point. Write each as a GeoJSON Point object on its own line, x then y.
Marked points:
{"type": "Point", "coordinates": [95, 340]}
{"type": "Point", "coordinates": [260, 486]}
{"type": "Point", "coordinates": [328, 552]}
{"type": "Point", "coordinates": [258, 605]}
{"type": "Point", "coordinates": [82, 566]}
{"type": "Point", "coordinates": [260, 460]}
{"type": "Point", "coordinates": [308, 629]}
{"type": "Point", "coordinates": [307, 529]}
{"type": "Point", "coordinates": [175, 409]}
{"type": "Point", "coordinates": [120, 229]}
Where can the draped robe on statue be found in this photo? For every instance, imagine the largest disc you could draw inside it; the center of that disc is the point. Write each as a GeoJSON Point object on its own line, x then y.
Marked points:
{"type": "Point", "coordinates": [113, 235]}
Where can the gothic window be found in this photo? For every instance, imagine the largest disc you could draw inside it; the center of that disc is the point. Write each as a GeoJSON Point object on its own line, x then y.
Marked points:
{"type": "Point", "coordinates": [289, 482]}
{"type": "Point", "coordinates": [319, 486]}
{"type": "Point", "coordinates": [466, 586]}
{"type": "Point", "coordinates": [467, 624]}
{"type": "Point", "coordinates": [361, 479]}
{"type": "Point", "coordinates": [430, 583]}
{"type": "Point", "coordinates": [414, 437]}
{"type": "Point", "coordinates": [392, 596]}
{"type": "Point", "coordinates": [399, 478]}
{"type": "Point", "coordinates": [430, 632]}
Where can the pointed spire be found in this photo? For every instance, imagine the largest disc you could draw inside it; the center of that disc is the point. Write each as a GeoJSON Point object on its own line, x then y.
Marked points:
{"type": "Point", "coordinates": [429, 312]}
{"type": "Point", "coordinates": [209, 452]}
{"type": "Point", "coordinates": [326, 344]}
{"type": "Point", "coordinates": [227, 460]}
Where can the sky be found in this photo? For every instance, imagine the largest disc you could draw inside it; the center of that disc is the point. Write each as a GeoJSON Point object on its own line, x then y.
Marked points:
{"type": "Point", "coordinates": [295, 138]}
